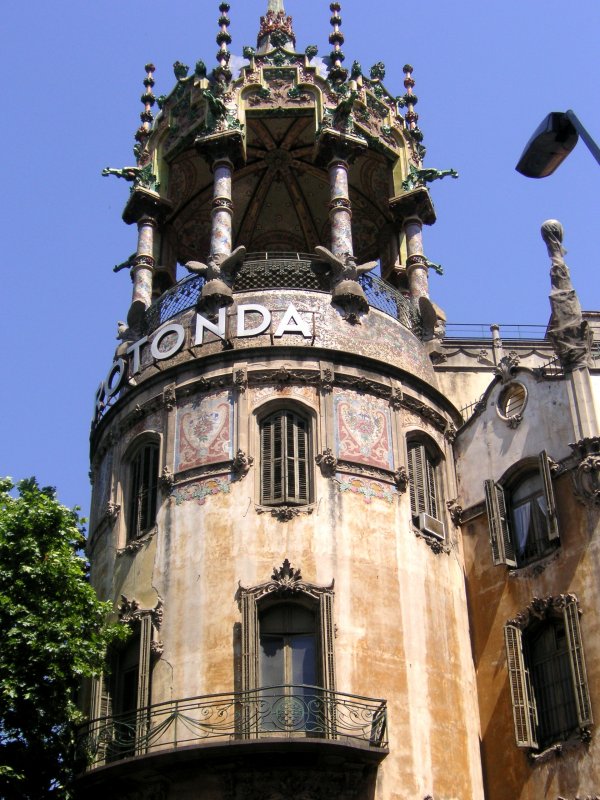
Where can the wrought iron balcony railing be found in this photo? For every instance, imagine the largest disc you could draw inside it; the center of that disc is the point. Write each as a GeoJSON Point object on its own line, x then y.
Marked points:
{"type": "Point", "coordinates": [290, 711]}
{"type": "Point", "coordinates": [283, 271]}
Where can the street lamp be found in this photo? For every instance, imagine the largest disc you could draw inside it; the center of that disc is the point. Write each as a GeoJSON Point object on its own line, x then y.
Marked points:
{"type": "Point", "coordinates": [552, 142]}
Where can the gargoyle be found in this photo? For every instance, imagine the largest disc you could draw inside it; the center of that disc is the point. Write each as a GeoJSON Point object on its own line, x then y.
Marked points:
{"type": "Point", "coordinates": [125, 264]}
{"type": "Point", "coordinates": [419, 177]}
{"type": "Point", "coordinates": [346, 291]}
{"type": "Point", "coordinates": [127, 173]}
{"type": "Point", "coordinates": [220, 274]}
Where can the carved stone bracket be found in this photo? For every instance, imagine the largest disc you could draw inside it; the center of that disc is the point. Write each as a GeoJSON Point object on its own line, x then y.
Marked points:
{"type": "Point", "coordinates": [327, 462]}
{"type": "Point", "coordinates": [169, 398]}
{"type": "Point", "coordinates": [396, 398]}
{"type": "Point", "coordinates": [514, 421]}
{"type": "Point", "coordinates": [284, 513]}
{"type": "Point", "coordinates": [455, 511]}
{"type": "Point", "coordinates": [435, 545]}
{"type": "Point", "coordinates": [240, 380]}
{"type": "Point", "coordinates": [534, 570]}
{"type": "Point", "coordinates": [111, 513]}
{"type": "Point", "coordinates": [586, 475]}
{"type": "Point", "coordinates": [325, 382]}
{"type": "Point", "coordinates": [241, 464]}
{"type": "Point", "coordinates": [401, 479]}
{"type": "Point", "coordinates": [167, 480]}
{"type": "Point", "coordinates": [450, 432]}
{"type": "Point", "coordinates": [506, 366]}
{"type": "Point", "coordinates": [137, 544]}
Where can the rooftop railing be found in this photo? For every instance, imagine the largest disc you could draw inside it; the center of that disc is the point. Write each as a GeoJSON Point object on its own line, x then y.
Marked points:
{"type": "Point", "coordinates": [283, 271]}
{"type": "Point", "coordinates": [290, 711]}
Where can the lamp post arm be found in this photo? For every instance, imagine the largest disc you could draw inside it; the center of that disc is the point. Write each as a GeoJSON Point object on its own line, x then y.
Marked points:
{"type": "Point", "coordinates": [591, 144]}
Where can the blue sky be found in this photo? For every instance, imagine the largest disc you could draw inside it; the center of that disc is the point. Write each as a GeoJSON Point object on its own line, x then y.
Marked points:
{"type": "Point", "coordinates": [486, 74]}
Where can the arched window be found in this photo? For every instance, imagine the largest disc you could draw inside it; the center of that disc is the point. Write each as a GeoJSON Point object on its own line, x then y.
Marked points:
{"type": "Point", "coordinates": [284, 459]}
{"type": "Point", "coordinates": [522, 515]}
{"type": "Point", "coordinates": [425, 489]}
{"type": "Point", "coordinates": [143, 489]}
{"type": "Point", "coordinates": [547, 673]}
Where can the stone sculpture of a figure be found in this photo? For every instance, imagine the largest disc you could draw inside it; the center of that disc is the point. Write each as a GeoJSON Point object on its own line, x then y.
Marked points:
{"type": "Point", "coordinates": [219, 272]}
{"type": "Point", "coordinates": [346, 291]}
{"type": "Point", "coordinates": [570, 334]}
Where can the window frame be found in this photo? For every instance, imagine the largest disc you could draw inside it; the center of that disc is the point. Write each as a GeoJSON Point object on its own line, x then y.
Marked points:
{"type": "Point", "coordinates": [426, 495]}
{"type": "Point", "coordinates": [285, 499]}
{"type": "Point", "coordinates": [142, 444]}
{"type": "Point", "coordinates": [499, 510]}
{"type": "Point", "coordinates": [564, 608]}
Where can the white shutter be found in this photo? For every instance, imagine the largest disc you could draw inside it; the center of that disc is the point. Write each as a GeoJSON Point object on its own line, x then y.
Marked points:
{"type": "Point", "coordinates": [544, 462]}
{"type": "Point", "coordinates": [523, 701]}
{"type": "Point", "coordinates": [577, 661]}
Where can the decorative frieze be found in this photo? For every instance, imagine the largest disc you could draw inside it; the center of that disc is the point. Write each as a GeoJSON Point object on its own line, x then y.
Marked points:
{"type": "Point", "coordinates": [199, 491]}
{"type": "Point", "coordinates": [541, 608]}
{"type": "Point", "coordinates": [367, 489]}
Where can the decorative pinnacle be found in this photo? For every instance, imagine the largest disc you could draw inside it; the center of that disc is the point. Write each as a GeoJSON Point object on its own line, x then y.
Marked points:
{"type": "Point", "coordinates": [337, 73]}
{"type": "Point", "coordinates": [148, 99]}
{"type": "Point", "coordinates": [411, 117]}
{"type": "Point", "coordinates": [275, 28]}
{"type": "Point", "coordinates": [222, 72]}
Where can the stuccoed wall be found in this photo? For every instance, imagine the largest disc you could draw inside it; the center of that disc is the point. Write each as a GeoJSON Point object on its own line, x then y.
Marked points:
{"type": "Point", "coordinates": [400, 608]}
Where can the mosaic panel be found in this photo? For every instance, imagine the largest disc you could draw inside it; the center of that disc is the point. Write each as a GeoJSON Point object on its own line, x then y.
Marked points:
{"type": "Point", "coordinates": [201, 490]}
{"type": "Point", "coordinates": [368, 489]}
{"type": "Point", "coordinates": [363, 429]}
{"type": "Point", "coordinates": [153, 422]}
{"type": "Point", "coordinates": [204, 432]}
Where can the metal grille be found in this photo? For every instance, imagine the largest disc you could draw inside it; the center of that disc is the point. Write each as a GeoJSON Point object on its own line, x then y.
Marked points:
{"type": "Point", "coordinates": [287, 709]}
{"type": "Point", "coordinates": [283, 271]}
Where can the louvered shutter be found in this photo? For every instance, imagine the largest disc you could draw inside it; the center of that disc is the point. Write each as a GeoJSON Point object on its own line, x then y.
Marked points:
{"type": "Point", "coordinates": [327, 637]}
{"type": "Point", "coordinates": [431, 487]}
{"type": "Point", "coordinates": [100, 712]}
{"type": "Point", "coordinates": [577, 661]}
{"type": "Point", "coordinates": [544, 462]}
{"type": "Point", "coordinates": [523, 701]}
{"type": "Point", "coordinates": [500, 541]}
{"type": "Point", "coordinates": [416, 477]}
{"type": "Point", "coordinates": [143, 688]}
{"type": "Point", "coordinates": [284, 459]}
{"type": "Point", "coordinates": [249, 663]}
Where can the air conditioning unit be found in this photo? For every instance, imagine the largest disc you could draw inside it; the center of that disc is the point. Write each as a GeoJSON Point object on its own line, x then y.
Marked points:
{"type": "Point", "coordinates": [431, 525]}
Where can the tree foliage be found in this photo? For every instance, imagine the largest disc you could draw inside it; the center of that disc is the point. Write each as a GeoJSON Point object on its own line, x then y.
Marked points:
{"type": "Point", "coordinates": [54, 634]}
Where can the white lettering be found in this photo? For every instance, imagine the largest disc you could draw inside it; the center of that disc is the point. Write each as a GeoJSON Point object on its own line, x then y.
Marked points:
{"type": "Point", "coordinates": [292, 322]}
{"type": "Point", "coordinates": [158, 354]}
{"type": "Point", "coordinates": [135, 349]}
{"type": "Point", "coordinates": [241, 320]}
{"type": "Point", "coordinates": [218, 329]}
{"type": "Point", "coordinates": [115, 378]}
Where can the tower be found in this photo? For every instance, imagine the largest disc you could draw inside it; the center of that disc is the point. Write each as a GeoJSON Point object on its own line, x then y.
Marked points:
{"type": "Point", "coordinates": [282, 471]}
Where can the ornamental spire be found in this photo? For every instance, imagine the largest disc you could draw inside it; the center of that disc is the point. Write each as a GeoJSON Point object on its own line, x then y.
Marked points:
{"type": "Point", "coordinates": [222, 73]}
{"type": "Point", "coordinates": [337, 73]}
{"type": "Point", "coordinates": [275, 28]}
{"type": "Point", "coordinates": [143, 132]}
{"type": "Point", "coordinates": [410, 100]}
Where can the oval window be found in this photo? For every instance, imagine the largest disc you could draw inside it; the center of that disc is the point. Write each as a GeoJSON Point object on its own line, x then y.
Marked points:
{"type": "Point", "coordinates": [512, 400]}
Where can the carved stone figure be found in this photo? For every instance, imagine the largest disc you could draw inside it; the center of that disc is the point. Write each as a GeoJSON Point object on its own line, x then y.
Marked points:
{"type": "Point", "coordinates": [569, 333]}
{"type": "Point", "coordinates": [346, 291]}
{"type": "Point", "coordinates": [220, 274]}
{"type": "Point", "coordinates": [419, 177]}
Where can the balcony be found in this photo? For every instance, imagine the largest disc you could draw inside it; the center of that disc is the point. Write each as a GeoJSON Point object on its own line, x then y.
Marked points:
{"type": "Point", "coordinates": [275, 718]}
{"type": "Point", "coordinates": [283, 271]}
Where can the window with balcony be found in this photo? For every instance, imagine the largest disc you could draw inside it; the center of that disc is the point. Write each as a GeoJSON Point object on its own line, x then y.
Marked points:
{"type": "Point", "coordinates": [143, 489]}
{"type": "Point", "coordinates": [284, 459]}
{"type": "Point", "coordinates": [547, 674]}
{"type": "Point", "coordinates": [425, 487]}
{"type": "Point", "coordinates": [522, 515]}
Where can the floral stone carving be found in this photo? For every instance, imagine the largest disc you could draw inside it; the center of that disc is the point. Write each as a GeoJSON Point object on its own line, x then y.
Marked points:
{"type": "Point", "coordinates": [328, 462]}
{"type": "Point", "coordinates": [586, 475]}
{"type": "Point", "coordinates": [241, 464]}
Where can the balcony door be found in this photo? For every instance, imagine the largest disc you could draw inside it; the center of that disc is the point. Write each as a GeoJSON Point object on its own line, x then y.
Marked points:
{"type": "Point", "coordinates": [288, 669]}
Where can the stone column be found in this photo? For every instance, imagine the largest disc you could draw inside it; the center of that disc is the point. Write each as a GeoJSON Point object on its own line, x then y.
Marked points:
{"type": "Point", "coordinates": [340, 213]}
{"type": "Point", "coordinates": [416, 263]}
{"type": "Point", "coordinates": [222, 208]}
{"type": "Point", "coordinates": [142, 271]}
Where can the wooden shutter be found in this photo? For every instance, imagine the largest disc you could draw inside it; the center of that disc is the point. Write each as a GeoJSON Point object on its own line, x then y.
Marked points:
{"type": "Point", "coordinates": [523, 701]}
{"type": "Point", "coordinates": [544, 462]}
{"type": "Point", "coordinates": [502, 547]}
{"type": "Point", "coordinates": [284, 459]}
{"type": "Point", "coordinates": [431, 487]}
{"type": "Point", "coordinates": [249, 665]}
{"type": "Point", "coordinates": [101, 711]}
{"type": "Point", "coordinates": [143, 688]}
{"type": "Point", "coordinates": [327, 641]}
{"type": "Point", "coordinates": [416, 476]}
{"type": "Point", "coordinates": [577, 660]}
